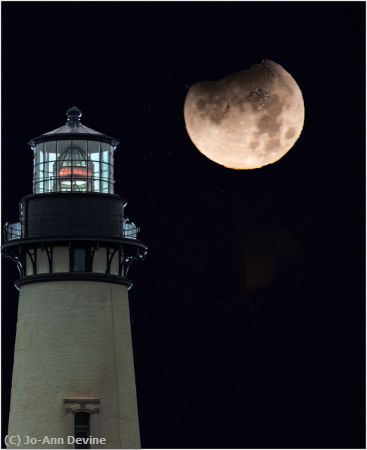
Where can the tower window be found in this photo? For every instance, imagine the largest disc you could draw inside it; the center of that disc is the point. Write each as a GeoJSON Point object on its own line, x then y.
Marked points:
{"type": "Point", "coordinates": [80, 260]}
{"type": "Point", "coordinates": [81, 427]}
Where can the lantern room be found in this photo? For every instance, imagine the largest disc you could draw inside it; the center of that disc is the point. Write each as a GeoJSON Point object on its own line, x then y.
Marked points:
{"type": "Point", "coordinates": [73, 158]}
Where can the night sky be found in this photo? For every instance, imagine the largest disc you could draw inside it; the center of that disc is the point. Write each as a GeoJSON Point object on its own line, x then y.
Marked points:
{"type": "Point", "coordinates": [248, 313]}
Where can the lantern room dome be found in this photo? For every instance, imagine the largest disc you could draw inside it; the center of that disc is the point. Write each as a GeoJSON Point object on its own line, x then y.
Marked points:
{"type": "Point", "coordinates": [73, 126]}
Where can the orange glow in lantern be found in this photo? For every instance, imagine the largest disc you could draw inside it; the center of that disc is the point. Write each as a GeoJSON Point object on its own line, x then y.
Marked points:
{"type": "Point", "coordinates": [75, 171]}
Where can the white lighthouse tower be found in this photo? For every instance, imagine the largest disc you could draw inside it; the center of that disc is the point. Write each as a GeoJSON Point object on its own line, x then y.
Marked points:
{"type": "Point", "coordinates": [73, 377]}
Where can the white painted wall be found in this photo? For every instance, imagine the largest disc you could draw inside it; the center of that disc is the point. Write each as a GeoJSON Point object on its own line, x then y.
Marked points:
{"type": "Point", "coordinates": [100, 260]}
{"type": "Point", "coordinates": [42, 261]}
{"type": "Point", "coordinates": [60, 259]}
{"type": "Point", "coordinates": [29, 266]}
{"type": "Point", "coordinates": [114, 269]}
{"type": "Point", "coordinates": [74, 341]}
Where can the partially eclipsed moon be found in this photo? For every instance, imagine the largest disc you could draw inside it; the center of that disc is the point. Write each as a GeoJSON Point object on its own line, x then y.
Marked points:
{"type": "Point", "coordinates": [246, 120]}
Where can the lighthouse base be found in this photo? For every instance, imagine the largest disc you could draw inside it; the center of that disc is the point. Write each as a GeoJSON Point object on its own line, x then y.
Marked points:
{"type": "Point", "coordinates": [73, 354]}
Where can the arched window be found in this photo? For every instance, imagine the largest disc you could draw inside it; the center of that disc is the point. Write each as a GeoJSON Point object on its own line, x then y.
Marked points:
{"type": "Point", "coordinates": [81, 427]}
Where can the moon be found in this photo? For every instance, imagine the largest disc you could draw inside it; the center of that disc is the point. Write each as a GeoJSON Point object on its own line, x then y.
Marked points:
{"type": "Point", "coordinates": [248, 119]}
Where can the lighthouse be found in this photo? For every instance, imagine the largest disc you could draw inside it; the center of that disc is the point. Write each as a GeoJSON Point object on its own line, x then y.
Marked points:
{"type": "Point", "coordinates": [73, 376]}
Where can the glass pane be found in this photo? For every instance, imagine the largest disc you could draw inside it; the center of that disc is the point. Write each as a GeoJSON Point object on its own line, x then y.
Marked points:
{"type": "Point", "coordinates": [79, 260]}
{"type": "Point", "coordinates": [62, 181]}
{"type": "Point", "coordinates": [49, 175]}
{"type": "Point", "coordinates": [105, 148]}
{"type": "Point", "coordinates": [81, 418]}
{"type": "Point", "coordinates": [38, 169]}
{"type": "Point", "coordinates": [42, 176]}
{"type": "Point", "coordinates": [93, 150]}
{"type": "Point", "coordinates": [105, 170]}
{"type": "Point", "coordinates": [61, 147]}
{"type": "Point", "coordinates": [82, 428]}
{"type": "Point", "coordinates": [96, 176]}
{"type": "Point", "coordinates": [50, 147]}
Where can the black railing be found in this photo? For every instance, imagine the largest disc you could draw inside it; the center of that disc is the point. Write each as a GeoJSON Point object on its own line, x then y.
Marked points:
{"type": "Point", "coordinates": [129, 229]}
{"type": "Point", "coordinates": [14, 231]}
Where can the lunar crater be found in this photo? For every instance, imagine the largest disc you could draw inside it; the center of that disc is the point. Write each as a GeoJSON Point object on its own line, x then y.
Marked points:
{"type": "Point", "coordinates": [259, 96]}
{"type": "Point", "coordinates": [290, 133]}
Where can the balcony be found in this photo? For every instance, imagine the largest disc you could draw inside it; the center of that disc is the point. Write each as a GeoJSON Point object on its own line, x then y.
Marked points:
{"type": "Point", "coordinates": [129, 230]}
{"type": "Point", "coordinates": [15, 230]}
{"type": "Point", "coordinates": [12, 231]}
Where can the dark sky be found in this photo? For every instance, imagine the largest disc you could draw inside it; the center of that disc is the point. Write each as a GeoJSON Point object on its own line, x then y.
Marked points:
{"type": "Point", "coordinates": [248, 313]}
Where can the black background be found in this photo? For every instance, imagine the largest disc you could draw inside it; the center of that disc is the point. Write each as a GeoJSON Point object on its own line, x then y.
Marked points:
{"type": "Point", "coordinates": [248, 314]}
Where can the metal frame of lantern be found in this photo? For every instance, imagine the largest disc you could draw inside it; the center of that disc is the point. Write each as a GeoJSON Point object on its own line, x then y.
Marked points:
{"type": "Point", "coordinates": [73, 152]}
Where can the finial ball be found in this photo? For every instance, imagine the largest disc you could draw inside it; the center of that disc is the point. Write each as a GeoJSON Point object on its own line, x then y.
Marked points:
{"type": "Point", "coordinates": [74, 113]}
